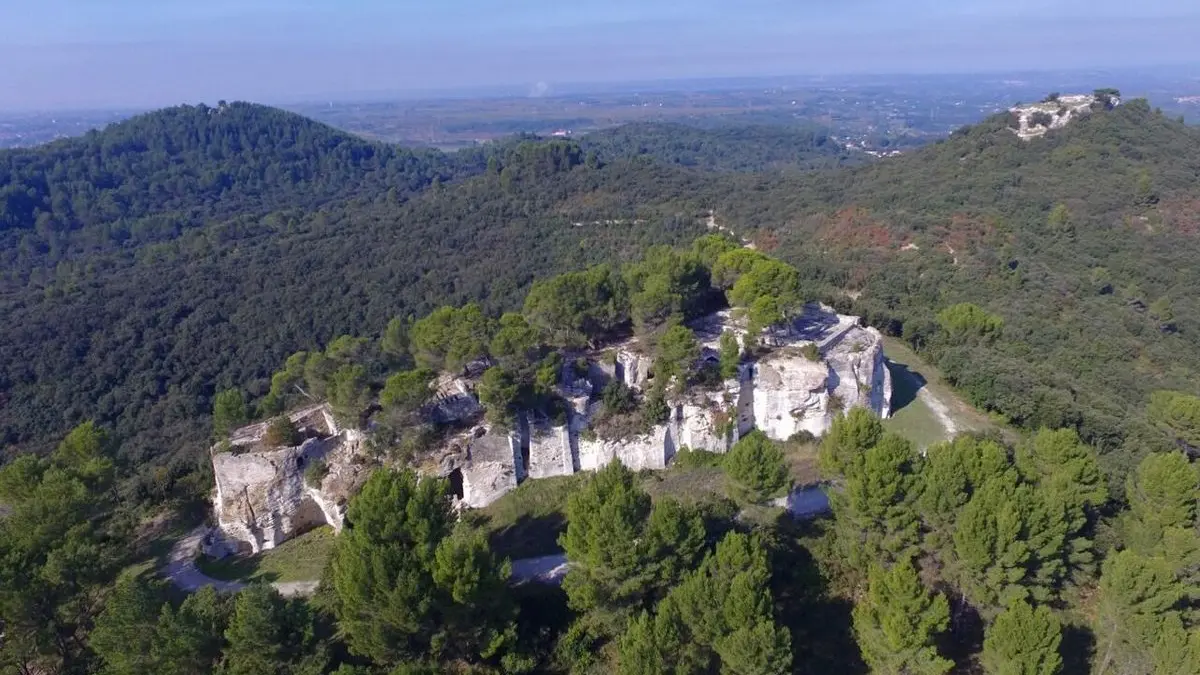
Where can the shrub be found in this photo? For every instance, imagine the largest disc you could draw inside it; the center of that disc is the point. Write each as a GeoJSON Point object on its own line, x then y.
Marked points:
{"type": "Point", "coordinates": [655, 410]}
{"type": "Point", "coordinates": [687, 458]}
{"type": "Point", "coordinates": [281, 433]}
{"type": "Point", "coordinates": [811, 351]}
{"type": "Point", "coordinates": [1041, 119]}
{"type": "Point", "coordinates": [315, 473]}
{"type": "Point", "coordinates": [756, 469]}
{"type": "Point", "coordinates": [618, 398]}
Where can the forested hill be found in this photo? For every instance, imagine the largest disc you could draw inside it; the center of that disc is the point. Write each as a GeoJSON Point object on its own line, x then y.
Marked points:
{"type": "Point", "coordinates": [729, 148]}
{"type": "Point", "coordinates": [151, 177]}
{"type": "Point", "coordinates": [1082, 242]}
{"type": "Point", "coordinates": [139, 338]}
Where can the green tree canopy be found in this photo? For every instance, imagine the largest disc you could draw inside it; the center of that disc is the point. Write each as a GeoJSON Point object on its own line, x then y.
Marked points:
{"type": "Point", "coordinates": [756, 470]}
{"type": "Point", "coordinates": [1023, 640]}
{"type": "Point", "coordinates": [578, 307]}
{"type": "Point", "coordinates": [1137, 606]}
{"type": "Point", "coordinates": [876, 518]}
{"type": "Point", "coordinates": [407, 586]}
{"type": "Point", "coordinates": [229, 411]}
{"type": "Point", "coordinates": [1178, 414]}
{"type": "Point", "coordinates": [268, 634]}
{"type": "Point", "coordinates": [449, 337]}
{"type": "Point", "coordinates": [966, 321]}
{"type": "Point", "coordinates": [281, 433]}
{"type": "Point", "coordinates": [898, 622]}
{"type": "Point", "coordinates": [407, 390]}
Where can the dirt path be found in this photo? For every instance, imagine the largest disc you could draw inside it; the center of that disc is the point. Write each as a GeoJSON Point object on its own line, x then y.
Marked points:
{"type": "Point", "coordinates": [940, 410]}
{"type": "Point", "coordinates": [181, 571]}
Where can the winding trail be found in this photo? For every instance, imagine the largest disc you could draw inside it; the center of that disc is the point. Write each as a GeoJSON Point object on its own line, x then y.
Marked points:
{"type": "Point", "coordinates": [181, 571]}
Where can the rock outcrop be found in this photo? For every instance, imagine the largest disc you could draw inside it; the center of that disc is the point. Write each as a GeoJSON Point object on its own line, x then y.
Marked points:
{"type": "Point", "coordinates": [262, 497]}
{"type": "Point", "coordinates": [1035, 119]}
{"type": "Point", "coordinates": [813, 370]}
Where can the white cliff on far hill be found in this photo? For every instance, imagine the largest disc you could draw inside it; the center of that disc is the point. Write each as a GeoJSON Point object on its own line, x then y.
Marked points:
{"type": "Point", "coordinates": [1035, 119]}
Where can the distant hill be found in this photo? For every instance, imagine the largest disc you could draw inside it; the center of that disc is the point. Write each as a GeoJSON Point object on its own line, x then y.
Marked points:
{"type": "Point", "coordinates": [265, 233]}
{"type": "Point", "coordinates": [1084, 241]}
{"type": "Point", "coordinates": [153, 176]}
{"type": "Point", "coordinates": [730, 148]}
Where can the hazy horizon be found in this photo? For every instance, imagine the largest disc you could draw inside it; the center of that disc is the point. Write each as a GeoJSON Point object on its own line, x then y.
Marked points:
{"type": "Point", "coordinates": [108, 54]}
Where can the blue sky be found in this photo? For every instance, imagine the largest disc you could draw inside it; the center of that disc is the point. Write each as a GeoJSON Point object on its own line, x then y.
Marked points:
{"type": "Point", "coordinates": [136, 53]}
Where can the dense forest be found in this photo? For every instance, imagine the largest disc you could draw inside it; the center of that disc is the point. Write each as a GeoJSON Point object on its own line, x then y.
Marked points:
{"type": "Point", "coordinates": [976, 555]}
{"type": "Point", "coordinates": [151, 265]}
{"type": "Point", "coordinates": [730, 148]}
{"type": "Point", "coordinates": [1081, 242]}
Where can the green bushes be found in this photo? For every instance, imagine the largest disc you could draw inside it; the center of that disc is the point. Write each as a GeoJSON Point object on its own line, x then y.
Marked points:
{"type": "Point", "coordinates": [756, 469]}
{"type": "Point", "coordinates": [281, 433]}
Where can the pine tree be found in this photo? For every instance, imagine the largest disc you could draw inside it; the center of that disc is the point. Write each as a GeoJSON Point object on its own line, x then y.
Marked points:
{"type": "Point", "coordinates": [1162, 497]}
{"type": "Point", "coordinates": [756, 470]}
{"type": "Point", "coordinates": [897, 623]}
{"type": "Point", "coordinates": [1137, 603]}
{"type": "Point", "coordinates": [381, 565]}
{"type": "Point", "coordinates": [189, 641]}
{"type": "Point", "coordinates": [730, 355]}
{"type": "Point", "coordinates": [1067, 476]}
{"type": "Point", "coordinates": [1023, 641]}
{"type": "Point", "coordinates": [991, 553]}
{"type": "Point", "coordinates": [124, 631]}
{"type": "Point", "coordinates": [728, 611]}
{"type": "Point", "coordinates": [642, 650]}
{"type": "Point", "coordinates": [229, 412]}
{"type": "Point", "coordinates": [476, 614]}
{"type": "Point", "coordinates": [608, 574]}
{"type": "Point", "coordinates": [674, 542]}
{"type": "Point", "coordinates": [876, 518]}
{"type": "Point", "coordinates": [267, 634]}
{"type": "Point", "coordinates": [1177, 651]}
{"type": "Point", "coordinates": [847, 439]}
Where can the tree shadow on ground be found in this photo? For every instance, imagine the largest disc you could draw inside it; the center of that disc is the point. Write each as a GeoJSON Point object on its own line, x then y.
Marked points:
{"type": "Point", "coordinates": [236, 568]}
{"type": "Point", "coordinates": [1078, 647]}
{"type": "Point", "coordinates": [529, 537]}
{"type": "Point", "coordinates": [906, 383]}
{"type": "Point", "coordinates": [819, 621]}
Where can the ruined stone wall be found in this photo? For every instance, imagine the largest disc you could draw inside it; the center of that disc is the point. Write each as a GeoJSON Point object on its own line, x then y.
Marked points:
{"type": "Point", "coordinates": [262, 499]}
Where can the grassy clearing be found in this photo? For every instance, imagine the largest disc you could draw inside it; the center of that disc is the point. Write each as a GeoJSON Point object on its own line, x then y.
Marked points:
{"type": "Point", "coordinates": [154, 537]}
{"type": "Point", "coordinates": [527, 521]}
{"type": "Point", "coordinates": [299, 559]}
{"type": "Point", "coordinates": [914, 383]}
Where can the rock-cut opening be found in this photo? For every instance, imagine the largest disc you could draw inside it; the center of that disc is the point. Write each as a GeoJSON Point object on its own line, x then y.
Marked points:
{"type": "Point", "coordinates": [308, 516]}
{"type": "Point", "coordinates": [456, 483]}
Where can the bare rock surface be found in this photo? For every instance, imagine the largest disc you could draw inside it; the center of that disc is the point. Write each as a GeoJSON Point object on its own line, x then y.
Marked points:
{"type": "Point", "coordinates": [262, 497]}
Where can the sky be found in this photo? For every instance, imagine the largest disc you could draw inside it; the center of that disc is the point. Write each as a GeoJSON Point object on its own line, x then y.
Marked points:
{"type": "Point", "coordinates": [144, 53]}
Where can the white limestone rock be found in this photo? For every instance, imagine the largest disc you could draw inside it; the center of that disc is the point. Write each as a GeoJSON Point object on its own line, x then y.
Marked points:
{"type": "Point", "coordinates": [548, 447]}
{"type": "Point", "coordinates": [790, 394]}
{"type": "Point", "coordinates": [649, 451]}
{"type": "Point", "coordinates": [632, 367]}
{"type": "Point", "coordinates": [261, 496]}
{"type": "Point", "coordinates": [493, 467]}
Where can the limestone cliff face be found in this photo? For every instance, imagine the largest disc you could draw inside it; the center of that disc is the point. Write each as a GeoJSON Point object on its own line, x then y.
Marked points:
{"type": "Point", "coordinates": [261, 496]}
{"type": "Point", "coordinates": [790, 393]}
{"type": "Point", "coordinates": [811, 372]}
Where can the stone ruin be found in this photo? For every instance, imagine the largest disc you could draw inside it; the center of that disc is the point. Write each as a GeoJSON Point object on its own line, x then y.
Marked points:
{"type": "Point", "coordinates": [262, 498]}
{"type": "Point", "coordinates": [783, 393]}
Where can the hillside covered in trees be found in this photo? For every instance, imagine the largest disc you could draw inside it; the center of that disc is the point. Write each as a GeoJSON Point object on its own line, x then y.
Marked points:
{"type": "Point", "coordinates": [1081, 243]}
{"type": "Point", "coordinates": [151, 265]}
